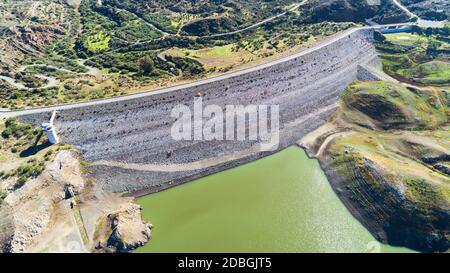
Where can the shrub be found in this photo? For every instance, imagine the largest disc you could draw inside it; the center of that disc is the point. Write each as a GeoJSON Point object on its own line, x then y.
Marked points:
{"type": "Point", "coordinates": [20, 182]}
{"type": "Point", "coordinates": [2, 197]}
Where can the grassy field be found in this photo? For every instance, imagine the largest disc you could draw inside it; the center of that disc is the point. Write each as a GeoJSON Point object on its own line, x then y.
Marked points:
{"type": "Point", "coordinates": [406, 39]}
{"type": "Point", "coordinates": [182, 19]}
{"type": "Point", "coordinates": [98, 42]}
{"type": "Point", "coordinates": [434, 72]}
{"type": "Point", "coordinates": [418, 58]}
{"type": "Point", "coordinates": [394, 106]}
{"type": "Point", "coordinates": [219, 57]}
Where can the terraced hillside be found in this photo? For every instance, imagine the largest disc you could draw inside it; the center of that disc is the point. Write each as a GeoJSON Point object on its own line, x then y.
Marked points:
{"type": "Point", "coordinates": [27, 27]}
{"type": "Point", "coordinates": [202, 17]}
{"type": "Point", "coordinates": [421, 57]}
{"type": "Point", "coordinates": [429, 9]}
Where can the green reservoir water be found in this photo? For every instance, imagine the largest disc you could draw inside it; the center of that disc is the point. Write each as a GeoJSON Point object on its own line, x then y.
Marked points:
{"type": "Point", "coordinates": [281, 203]}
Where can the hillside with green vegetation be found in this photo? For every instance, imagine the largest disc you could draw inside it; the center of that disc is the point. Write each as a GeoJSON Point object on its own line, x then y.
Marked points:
{"type": "Point", "coordinates": [352, 10]}
{"type": "Point", "coordinates": [132, 45]}
{"type": "Point", "coordinates": [125, 51]}
{"type": "Point", "coordinates": [429, 9]}
{"type": "Point", "coordinates": [390, 106]}
{"type": "Point", "coordinates": [201, 17]}
{"type": "Point", "coordinates": [27, 28]}
{"type": "Point", "coordinates": [391, 165]}
{"type": "Point", "coordinates": [421, 57]}
{"type": "Point", "coordinates": [24, 151]}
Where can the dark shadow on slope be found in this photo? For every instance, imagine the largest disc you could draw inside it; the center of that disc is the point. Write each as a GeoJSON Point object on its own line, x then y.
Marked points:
{"type": "Point", "coordinates": [35, 148]}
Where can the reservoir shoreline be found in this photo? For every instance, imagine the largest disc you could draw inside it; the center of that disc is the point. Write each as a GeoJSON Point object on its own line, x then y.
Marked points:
{"type": "Point", "coordinates": [291, 209]}
{"type": "Point", "coordinates": [336, 184]}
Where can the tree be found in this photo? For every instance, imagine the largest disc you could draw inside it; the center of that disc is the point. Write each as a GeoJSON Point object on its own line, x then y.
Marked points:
{"type": "Point", "coordinates": [428, 31]}
{"type": "Point", "coordinates": [379, 37]}
{"type": "Point", "coordinates": [146, 64]}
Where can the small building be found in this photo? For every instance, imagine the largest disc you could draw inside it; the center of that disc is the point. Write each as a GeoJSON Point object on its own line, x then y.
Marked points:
{"type": "Point", "coordinates": [49, 129]}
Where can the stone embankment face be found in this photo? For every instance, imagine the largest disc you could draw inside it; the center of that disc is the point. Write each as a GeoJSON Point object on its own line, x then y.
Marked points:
{"type": "Point", "coordinates": [137, 130]}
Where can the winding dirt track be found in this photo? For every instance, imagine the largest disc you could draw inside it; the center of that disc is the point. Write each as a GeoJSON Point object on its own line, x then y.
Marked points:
{"type": "Point", "coordinates": [165, 34]}
{"type": "Point", "coordinates": [403, 8]}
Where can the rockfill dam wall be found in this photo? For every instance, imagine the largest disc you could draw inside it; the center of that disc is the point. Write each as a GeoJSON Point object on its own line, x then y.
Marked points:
{"type": "Point", "coordinates": [126, 140]}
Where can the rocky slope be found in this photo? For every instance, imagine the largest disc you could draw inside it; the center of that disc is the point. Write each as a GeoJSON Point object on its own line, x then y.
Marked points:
{"type": "Point", "coordinates": [52, 213]}
{"type": "Point", "coordinates": [29, 210]}
{"type": "Point", "coordinates": [123, 230]}
{"type": "Point", "coordinates": [27, 27]}
{"type": "Point", "coordinates": [386, 153]}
